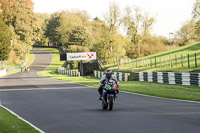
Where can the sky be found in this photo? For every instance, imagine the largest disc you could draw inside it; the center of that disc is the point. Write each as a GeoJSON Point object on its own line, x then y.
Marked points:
{"type": "Point", "coordinates": [170, 14]}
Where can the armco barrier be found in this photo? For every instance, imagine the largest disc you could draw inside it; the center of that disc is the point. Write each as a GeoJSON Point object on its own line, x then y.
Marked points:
{"type": "Point", "coordinates": [16, 67]}
{"type": "Point", "coordinates": [119, 75]}
{"type": "Point", "coordinates": [65, 71]}
{"type": "Point", "coordinates": [169, 77]}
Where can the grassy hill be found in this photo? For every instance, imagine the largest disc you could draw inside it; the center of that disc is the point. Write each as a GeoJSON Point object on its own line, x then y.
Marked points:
{"type": "Point", "coordinates": [175, 60]}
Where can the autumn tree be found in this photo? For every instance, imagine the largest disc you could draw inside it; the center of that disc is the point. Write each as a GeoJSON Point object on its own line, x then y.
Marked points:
{"type": "Point", "coordinates": [19, 14]}
{"type": "Point", "coordinates": [5, 40]}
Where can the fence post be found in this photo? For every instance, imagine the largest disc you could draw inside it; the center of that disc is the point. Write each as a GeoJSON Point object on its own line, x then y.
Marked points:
{"type": "Point", "coordinates": [136, 63]}
{"type": "Point", "coordinates": [170, 62]}
{"type": "Point", "coordinates": [160, 62]}
{"type": "Point", "coordinates": [182, 60]}
{"type": "Point", "coordinates": [195, 60]}
{"type": "Point", "coordinates": [155, 62]}
{"type": "Point", "coordinates": [188, 61]}
{"type": "Point", "coordinates": [176, 61]}
{"type": "Point", "coordinates": [143, 62]}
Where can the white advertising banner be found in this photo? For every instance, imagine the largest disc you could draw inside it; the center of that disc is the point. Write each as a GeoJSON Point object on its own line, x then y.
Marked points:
{"type": "Point", "coordinates": [81, 56]}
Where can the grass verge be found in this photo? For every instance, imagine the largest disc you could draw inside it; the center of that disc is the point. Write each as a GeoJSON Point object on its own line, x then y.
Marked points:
{"type": "Point", "coordinates": [154, 89]}
{"type": "Point", "coordinates": [11, 124]}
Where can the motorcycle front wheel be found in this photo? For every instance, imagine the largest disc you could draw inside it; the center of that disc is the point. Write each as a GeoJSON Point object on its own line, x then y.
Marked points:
{"type": "Point", "coordinates": [110, 103]}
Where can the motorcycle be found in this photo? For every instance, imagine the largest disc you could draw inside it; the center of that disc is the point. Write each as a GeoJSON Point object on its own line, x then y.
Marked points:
{"type": "Point", "coordinates": [109, 94]}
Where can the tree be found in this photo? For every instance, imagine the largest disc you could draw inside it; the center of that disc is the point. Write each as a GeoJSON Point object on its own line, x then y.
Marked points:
{"type": "Point", "coordinates": [138, 24]}
{"type": "Point", "coordinates": [68, 21]}
{"type": "Point", "coordinates": [186, 33]}
{"type": "Point", "coordinates": [51, 28]}
{"type": "Point", "coordinates": [196, 9]}
{"type": "Point", "coordinates": [114, 19]}
{"type": "Point", "coordinates": [19, 14]}
{"type": "Point", "coordinates": [79, 36]}
{"type": "Point", "coordinates": [5, 40]}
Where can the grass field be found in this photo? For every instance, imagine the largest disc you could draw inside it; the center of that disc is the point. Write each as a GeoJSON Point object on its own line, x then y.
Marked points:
{"type": "Point", "coordinates": [153, 89]}
{"type": "Point", "coordinates": [164, 60]}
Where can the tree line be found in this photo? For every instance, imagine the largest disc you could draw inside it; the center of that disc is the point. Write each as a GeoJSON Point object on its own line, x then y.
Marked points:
{"type": "Point", "coordinates": [21, 27]}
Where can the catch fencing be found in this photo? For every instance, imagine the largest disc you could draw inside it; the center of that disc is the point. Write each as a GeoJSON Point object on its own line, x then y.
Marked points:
{"type": "Point", "coordinates": [119, 75]}
{"type": "Point", "coordinates": [169, 77]}
{"type": "Point", "coordinates": [65, 71]}
{"type": "Point", "coordinates": [179, 60]}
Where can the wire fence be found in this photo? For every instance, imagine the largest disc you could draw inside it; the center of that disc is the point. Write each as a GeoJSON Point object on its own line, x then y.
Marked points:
{"type": "Point", "coordinates": [168, 61]}
{"type": "Point", "coordinates": [3, 65]}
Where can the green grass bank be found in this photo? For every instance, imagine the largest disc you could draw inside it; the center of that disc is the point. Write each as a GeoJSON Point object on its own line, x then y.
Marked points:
{"type": "Point", "coordinates": [162, 61]}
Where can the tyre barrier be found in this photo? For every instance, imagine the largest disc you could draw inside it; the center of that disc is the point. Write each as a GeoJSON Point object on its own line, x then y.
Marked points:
{"type": "Point", "coordinates": [169, 77]}
{"type": "Point", "coordinates": [119, 75]}
{"type": "Point", "coordinates": [65, 71]}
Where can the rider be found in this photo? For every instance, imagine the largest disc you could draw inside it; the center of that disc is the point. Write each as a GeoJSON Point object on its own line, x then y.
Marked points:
{"type": "Point", "coordinates": [107, 76]}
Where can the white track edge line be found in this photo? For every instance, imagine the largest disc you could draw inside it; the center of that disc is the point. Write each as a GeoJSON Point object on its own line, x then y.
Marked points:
{"type": "Point", "coordinates": [179, 100]}
{"type": "Point", "coordinates": [19, 117]}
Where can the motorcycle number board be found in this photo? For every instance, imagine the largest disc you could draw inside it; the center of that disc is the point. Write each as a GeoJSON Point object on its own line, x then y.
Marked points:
{"type": "Point", "coordinates": [81, 56]}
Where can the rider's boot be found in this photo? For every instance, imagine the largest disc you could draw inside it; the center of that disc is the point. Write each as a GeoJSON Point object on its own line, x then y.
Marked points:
{"type": "Point", "coordinates": [100, 97]}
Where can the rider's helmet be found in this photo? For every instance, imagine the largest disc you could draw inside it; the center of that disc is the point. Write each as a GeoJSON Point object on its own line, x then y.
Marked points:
{"type": "Point", "coordinates": [108, 73]}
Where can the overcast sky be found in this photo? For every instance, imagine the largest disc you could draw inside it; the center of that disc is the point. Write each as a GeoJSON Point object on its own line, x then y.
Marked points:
{"type": "Point", "coordinates": [169, 14]}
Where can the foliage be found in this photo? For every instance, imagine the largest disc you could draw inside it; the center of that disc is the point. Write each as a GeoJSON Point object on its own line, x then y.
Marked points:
{"type": "Point", "coordinates": [196, 9]}
{"type": "Point", "coordinates": [78, 36]}
{"type": "Point", "coordinates": [5, 40]}
{"type": "Point", "coordinates": [19, 15]}
{"type": "Point", "coordinates": [51, 28]}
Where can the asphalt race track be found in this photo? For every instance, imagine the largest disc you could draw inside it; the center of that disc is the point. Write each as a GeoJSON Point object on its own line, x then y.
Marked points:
{"type": "Point", "coordinates": [60, 107]}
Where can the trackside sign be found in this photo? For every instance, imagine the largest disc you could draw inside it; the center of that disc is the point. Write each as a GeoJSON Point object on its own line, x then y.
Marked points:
{"type": "Point", "coordinates": [81, 56]}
